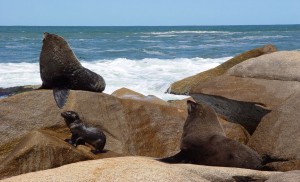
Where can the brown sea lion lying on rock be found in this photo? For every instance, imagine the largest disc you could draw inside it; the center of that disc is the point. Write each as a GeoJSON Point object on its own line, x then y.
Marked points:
{"type": "Point", "coordinates": [200, 144]}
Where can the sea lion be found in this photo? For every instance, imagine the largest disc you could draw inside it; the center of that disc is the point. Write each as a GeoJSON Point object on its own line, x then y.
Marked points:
{"type": "Point", "coordinates": [82, 133]}
{"type": "Point", "coordinates": [200, 144]}
{"type": "Point", "coordinates": [61, 71]}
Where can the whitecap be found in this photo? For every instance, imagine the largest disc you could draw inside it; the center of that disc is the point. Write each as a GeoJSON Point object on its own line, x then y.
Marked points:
{"type": "Point", "coordinates": [261, 37]}
{"type": "Point", "coordinates": [153, 52]}
{"type": "Point", "coordinates": [190, 32]}
{"type": "Point", "coordinates": [150, 41]}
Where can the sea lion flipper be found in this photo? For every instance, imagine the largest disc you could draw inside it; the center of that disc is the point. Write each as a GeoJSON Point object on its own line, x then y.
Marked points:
{"type": "Point", "coordinates": [61, 96]}
{"type": "Point", "coordinates": [177, 158]}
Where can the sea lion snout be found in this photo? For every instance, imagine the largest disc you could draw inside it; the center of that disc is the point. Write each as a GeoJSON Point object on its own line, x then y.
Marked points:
{"type": "Point", "coordinates": [70, 115]}
{"type": "Point", "coordinates": [45, 35]}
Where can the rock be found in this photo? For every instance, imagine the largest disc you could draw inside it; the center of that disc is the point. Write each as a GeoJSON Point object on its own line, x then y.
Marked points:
{"type": "Point", "coordinates": [141, 169]}
{"type": "Point", "coordinates": [282, 65]}
{"type": "Point", "coordinates": [234, 131]}
{"type": "Point", "coordinates": [261, 87]}
{"type": "Point", "coordinates": [291, 176]}
{"type": "Point", "coordinates": [153, 129]}
{"type": "Point", "coordinates": [184, 86]}
{"type": "Point", "coordinates": [262, 95]}
{"type": "Point", "coordinates": [38, 150]}
{"type": "Point", "coordinates": [125, 93]}
{"type": "Point", "coordinates": [132, 127]}
{"type": "Point", "coordinates": [247, 114]}
{"type": "Point", "coordinates": [285, 165]}
{"type": "Point", "coordinates": [278, 133]}
{"type": "Point", "coordinates": [246, 100]}
{"type": "Point", "coordinates": [4, 92]}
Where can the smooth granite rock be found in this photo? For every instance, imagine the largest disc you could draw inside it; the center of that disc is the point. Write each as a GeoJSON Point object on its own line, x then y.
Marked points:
{"type": "Point", "coordinates": [184, 86]}
{"type": "Point", "coordinates": [141, 169]}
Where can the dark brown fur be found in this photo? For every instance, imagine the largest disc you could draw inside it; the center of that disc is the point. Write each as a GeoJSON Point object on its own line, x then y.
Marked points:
{"type": "Point", "coordinates": [82, 133]}
{"type": "Point", "coordinates": [61, 71]}
{"type": "Point", "coordinates": [59, 67]}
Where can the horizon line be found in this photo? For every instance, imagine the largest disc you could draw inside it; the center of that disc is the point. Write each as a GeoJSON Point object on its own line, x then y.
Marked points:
{"type": "Point", "coordinates": [142, 25]}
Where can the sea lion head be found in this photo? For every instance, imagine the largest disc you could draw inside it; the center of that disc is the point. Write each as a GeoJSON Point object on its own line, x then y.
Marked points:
{"type": "Point", "coordinates": [48, 37]}
{"type": "Point", "coordinates": [194, 109]}
{"type": "Point", "coordinates": [54, 41]}
{"type": "Point", "coordinates": [193, 123]}
{"type": "Point", "coordinates": [56, 49]}
{"type": "Point", "coordinates": [70, 117]}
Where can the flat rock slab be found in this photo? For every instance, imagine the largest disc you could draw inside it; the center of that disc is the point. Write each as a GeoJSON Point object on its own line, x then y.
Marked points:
{"type": "Point", "coordinates": [140, 169]}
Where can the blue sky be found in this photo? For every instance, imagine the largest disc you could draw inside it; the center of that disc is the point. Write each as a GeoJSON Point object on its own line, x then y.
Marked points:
{"type": "Point", "coordinates": [148, 12]}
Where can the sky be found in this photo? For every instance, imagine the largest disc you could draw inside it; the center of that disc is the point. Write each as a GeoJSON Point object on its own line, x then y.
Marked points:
{"type": "Point", "coordinates": [148, 12]}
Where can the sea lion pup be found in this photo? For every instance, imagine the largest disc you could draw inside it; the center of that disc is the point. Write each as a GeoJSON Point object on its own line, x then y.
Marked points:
{"type": "Point", "coordinates": [203, 146]}
{"type": "Point", "coordinates": [61, 71]}
{"type": "Point", "coordinates": [82, 133]}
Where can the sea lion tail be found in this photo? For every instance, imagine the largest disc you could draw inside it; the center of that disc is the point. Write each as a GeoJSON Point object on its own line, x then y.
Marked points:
{"type": "Point", "coordinates": [61, 96]}
{"type": "Point", "coordinates": [177, 158]}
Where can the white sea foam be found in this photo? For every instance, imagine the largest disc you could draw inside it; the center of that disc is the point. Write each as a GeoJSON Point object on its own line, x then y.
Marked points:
{"type": "Point", "coordinates": [148, 76]}
{"type": "Point", "coordinates": [260, 37]}
{"type": "Point", "coordinates": [153, 52]}
{"type": "Point", "coordinates": [150, 41]}
{"type": "Point", "coordinates": [190, 32]}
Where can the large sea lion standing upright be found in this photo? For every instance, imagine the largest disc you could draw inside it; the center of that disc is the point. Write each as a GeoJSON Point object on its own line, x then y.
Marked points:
{"type": "Point", "coordinates": [204, 143]}
{"type": "Point", "coordinates": [61, 71]}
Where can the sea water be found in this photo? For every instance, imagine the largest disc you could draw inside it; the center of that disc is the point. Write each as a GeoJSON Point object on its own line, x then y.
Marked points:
{"type": "Point", "coordinates": [144, 59]}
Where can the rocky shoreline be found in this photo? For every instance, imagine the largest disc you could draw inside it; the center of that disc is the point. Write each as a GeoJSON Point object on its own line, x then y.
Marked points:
{"type": "Point", "coordinates": [255, 99]}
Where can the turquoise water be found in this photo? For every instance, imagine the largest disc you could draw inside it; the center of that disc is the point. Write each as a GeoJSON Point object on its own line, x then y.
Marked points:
{"type": "Point", "coordinates": [145, 59]}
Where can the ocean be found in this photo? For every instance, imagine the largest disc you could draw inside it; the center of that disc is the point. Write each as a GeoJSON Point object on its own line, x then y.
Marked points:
{"type": "Point", "coordinates": [144, 59]}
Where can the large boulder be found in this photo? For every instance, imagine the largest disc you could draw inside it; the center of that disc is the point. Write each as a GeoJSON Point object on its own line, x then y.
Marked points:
{"type": "Point", "coordinates": [245, 97]}
{"type": "Point", "coordinates": [283, 65]}
{"type": "Point", "coordinates": [184, 86]}
{"type": "Point", "coordinates": [278, 134]}
{"type": "Point", "coordinates": [267, 80]}
{"type": "Point", "coordinates": [141, 169]}
{"type": "Point", "coordinates": [262, 95]}
{"type": "Point", "coordinates": [132, 126]}
{"type": "Point", "coordinates": [38, 150]}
